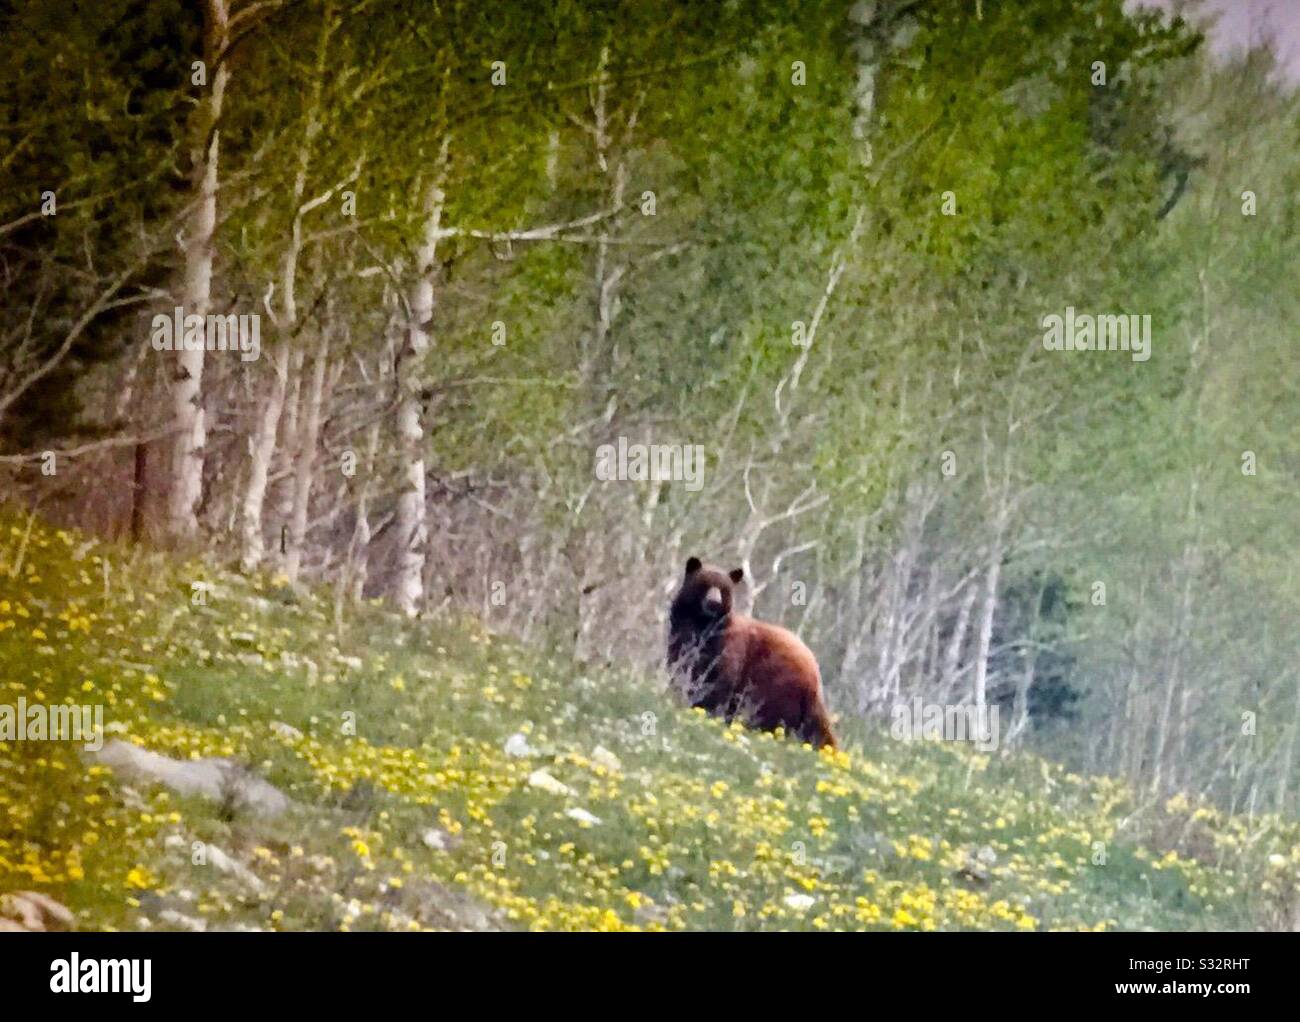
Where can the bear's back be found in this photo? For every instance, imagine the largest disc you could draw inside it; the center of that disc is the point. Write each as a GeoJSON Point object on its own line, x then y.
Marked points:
{"type": "Point", "coordinates": [772, 658]}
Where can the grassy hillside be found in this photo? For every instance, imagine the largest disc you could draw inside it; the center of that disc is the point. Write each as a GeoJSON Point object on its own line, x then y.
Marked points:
{"type": "Point", "coordinates": [667, 819]}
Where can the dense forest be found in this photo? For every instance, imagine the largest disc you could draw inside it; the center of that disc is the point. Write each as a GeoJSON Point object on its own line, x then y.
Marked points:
{"type": "Point", "coordinates": [869, 259]}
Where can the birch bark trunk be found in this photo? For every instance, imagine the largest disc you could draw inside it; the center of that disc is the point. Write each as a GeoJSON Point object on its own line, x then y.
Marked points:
{"type": "Point", "coordinates": [262, 443]}
{"type": "Point", "coordinates": [306, 467]}
{"type": "Point", "coordinates": [187, 410]}
{"type": "Point", "coordinates": [956, 642]}
{"type": "Point", "coordinates": [988, 609]}
{"type": "Point", "coordinates": [412, 515]}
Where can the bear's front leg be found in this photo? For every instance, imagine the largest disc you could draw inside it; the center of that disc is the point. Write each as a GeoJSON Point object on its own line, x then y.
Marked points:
{"type": "Point", "coordinates": [711, 699]}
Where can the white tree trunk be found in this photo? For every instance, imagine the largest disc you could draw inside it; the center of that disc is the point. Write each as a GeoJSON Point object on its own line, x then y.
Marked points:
{"type": "Point", "coordinates": [261, 451]}
{"type": "Point", "coordinates": [607, 278]}
{"type": "Point", "coordinates": [988, 609]}
{"type": "Point", "coordinates": [412, 516]}
{"type": "Point", "coordinates": [356, 568]}
{"type": "Point", "coordinates": [262, 444]}
{"type": "Point", "coordinates": [187, 409]}
{"type": "Point", "coordinates": [305, 469]}
{"type": "Point", "coordinates": [956, 642]}
{"type": "Point", "coordinates": [282, 476]}
{"type": "Point", "coordinates": [1172, 668]}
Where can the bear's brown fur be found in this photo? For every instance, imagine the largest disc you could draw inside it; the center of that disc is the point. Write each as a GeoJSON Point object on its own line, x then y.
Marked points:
{"type": "Point", "coordinates": [731, 665]}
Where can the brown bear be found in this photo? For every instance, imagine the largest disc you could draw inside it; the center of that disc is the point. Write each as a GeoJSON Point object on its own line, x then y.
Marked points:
{"type": "Point", "coordinates": [731, 665]}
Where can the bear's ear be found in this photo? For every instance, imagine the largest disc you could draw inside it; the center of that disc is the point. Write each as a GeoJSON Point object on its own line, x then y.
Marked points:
{"type": "Point", "coordinates": [737, 574]}
{"type": "Point", "coordinates": [693, 565]}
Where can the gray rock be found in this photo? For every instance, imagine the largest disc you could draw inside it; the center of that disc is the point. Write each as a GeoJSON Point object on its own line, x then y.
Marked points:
{"type": "Point", "coordinates": [439, 840]}
{"type": "Point", "coordinates": [286, 731]}
{"type": "Point", "coordinates": [234, 868]}
{"type": "Point", "coordinates": [606, 759]}
{"type": "Point", "coordinates": [221, 780]}
{"type": "Point", "coordinates": [31, 911]}
{"type": "Point", "coordinates": [182, 922]}
{"type": "Point", "coordinates": [648, 913]}
{"type": "Point", "coordinates": [517, 746]}
{"type": "Point", "coordinates": [543, 780]}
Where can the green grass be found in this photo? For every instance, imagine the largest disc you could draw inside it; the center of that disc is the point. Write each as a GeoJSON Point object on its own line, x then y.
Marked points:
{"type": "Point", "coordinates": [700, 826]}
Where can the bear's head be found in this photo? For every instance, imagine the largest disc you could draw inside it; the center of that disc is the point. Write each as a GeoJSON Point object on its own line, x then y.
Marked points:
{"type": "Point", "coordinates": [704, 598]}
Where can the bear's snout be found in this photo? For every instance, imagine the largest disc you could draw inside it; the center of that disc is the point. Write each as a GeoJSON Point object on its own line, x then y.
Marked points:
{"type": "Point", "coordinates": [713, 601]}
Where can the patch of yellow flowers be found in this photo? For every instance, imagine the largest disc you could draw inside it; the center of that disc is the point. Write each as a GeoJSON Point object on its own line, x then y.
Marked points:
{"type": "Point", "coordinates": [712, 827]}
